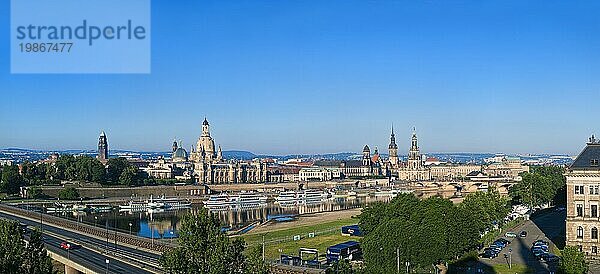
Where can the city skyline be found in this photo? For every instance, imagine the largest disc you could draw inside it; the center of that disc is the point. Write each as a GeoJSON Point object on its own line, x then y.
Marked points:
{"type": "Point", "coordinates": [278, 78]}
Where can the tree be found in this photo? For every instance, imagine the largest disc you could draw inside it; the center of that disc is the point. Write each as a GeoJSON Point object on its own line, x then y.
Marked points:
{"type": "Point", "coordinates": [68, 193]}
{"type": "Point", "coordinates": [254, 262]}
{"type": "Point", "coordinates": [115, 167]}
{"type": "Point", "coordinates": [572, 261]}
{"type": "Point", "coordinates": [34, 192]}
{"type": "Point", "coordinates": [11, 180]}
{"type": "Point", "coordinates": [11, 247]}
{"type": "Point", "coordinates": [36, 259]}
{"type": "Point", "coordinates": [542, 185]}
{"type": "Point", "coordinates": [340, 267]}
{"type": "Point", "coordinates": [204, 248]}
{"type": "Point", "coordinates": [130, 176]}
{"type": "Point", "coordinates": [16, 257]}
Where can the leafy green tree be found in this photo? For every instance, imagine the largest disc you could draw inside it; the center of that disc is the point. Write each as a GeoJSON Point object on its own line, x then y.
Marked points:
{"type": "Point", "coordinates": [130, 176]}
{"type": "Point", "coordinates": [572, 261]}
{"type": "Point", "coordinates": [204, 248]}
{"type": "Point", "coordinates": [34, 192]}
{"type": "Point", "coordinates": [11, 247]}
{"type": "Point", "coordinates": [16, 257]}
{"type": "Point", "coordinates": [68, 193]}
{"type": "Point", "coordinates": [340, 267]}
{"type": "Point", "coordinates": [254, 262]}
{"type": "Point", "coordinates": [36, 259]}
{"type": "Point", "coordinates": [116, 166]}
{"type": "Point", "coordinates": [11, 180]}
{"type": "Point", "coordinates": [541, 185]}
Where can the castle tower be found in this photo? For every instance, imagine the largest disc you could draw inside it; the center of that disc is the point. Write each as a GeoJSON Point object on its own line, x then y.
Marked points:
{"type": "Point", "coordinates": [102, 148]}
{"type": "Point", "coordinates": [414, 155]}
{"type": "Point", "coordinates": [393, 149]}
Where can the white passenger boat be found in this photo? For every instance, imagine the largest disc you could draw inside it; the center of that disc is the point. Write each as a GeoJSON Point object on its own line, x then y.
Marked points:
{"type": "Point", "coordinates": [240, 200]}
{"type": "Point", "coordinates": [309, 196]}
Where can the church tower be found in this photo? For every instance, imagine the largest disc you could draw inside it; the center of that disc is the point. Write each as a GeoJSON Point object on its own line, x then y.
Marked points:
{"type": "Point", "coordinates": [393, 149]}
{"type": "Point", "coordinates": [206, 142]}
{"type": "Point", "coordinates": [102, 148]}
{"type": "Point", "coordinates": [366, 159]}
{"type": "Point", "coordinates": [174, 146]}
{"type": "Point", "coordinates": [414, 155]}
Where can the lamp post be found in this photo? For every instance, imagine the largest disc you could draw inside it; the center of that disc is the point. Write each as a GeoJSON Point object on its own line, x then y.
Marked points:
{"type": "Point", "coordinates": [509, 258]}
{"type": "Point", "coordinates": [95, 220]}
{"type": "Point", "coordinates": [107, 263]}
{"type": "Point", "coordinates": [398, 260]}
{"type": "Point", "coordinates": [130, 224]}
{"type": "Point", "coordinates": [171, 232]}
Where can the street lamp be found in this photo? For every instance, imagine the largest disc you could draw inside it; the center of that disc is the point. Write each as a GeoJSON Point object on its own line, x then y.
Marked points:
{"type": "Point", "coordinates": [130, 224]}
{"type": "Point", "coordinates": [171, 232]}
{"type": "Point", "coordinates": [107, 262]}
{"type": "Point", "coordinates": [95, 220]}
{"type": "Point", "coordinates": [510, 258]}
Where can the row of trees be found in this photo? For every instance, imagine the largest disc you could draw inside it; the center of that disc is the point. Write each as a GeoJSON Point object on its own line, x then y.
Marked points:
{"type": "Point", "coordinates": [205, 248]}
{"type": "Point", "coordinates": [17, 257]}
{"type": "Point", "coordinates": [426, 232]}
{"type": "Point", "coordinates": [542, 185]}
{"type": "Point", "coordinates": [118, 171]}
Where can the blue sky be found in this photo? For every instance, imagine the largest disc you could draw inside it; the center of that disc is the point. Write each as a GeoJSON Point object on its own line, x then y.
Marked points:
{"type": "Point", "coordinates": [328, 76]}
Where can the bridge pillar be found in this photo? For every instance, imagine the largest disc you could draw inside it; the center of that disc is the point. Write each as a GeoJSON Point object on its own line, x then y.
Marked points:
{"type": "Point", "coordinates": [70, 270]}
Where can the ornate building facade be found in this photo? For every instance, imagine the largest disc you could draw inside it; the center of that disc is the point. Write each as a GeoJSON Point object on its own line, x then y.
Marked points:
{"type": "Point", "coordinates": [414, 170]}
{"type": "Point", "coordinates": [583, 200]}
{"type": "Point", "coordinates": [211, 168]}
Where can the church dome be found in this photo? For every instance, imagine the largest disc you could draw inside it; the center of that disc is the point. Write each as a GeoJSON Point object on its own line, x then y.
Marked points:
{"type": "Point", "coordinates": [366, 149]}
{"type": "Point", "coordinates": [180, 155]}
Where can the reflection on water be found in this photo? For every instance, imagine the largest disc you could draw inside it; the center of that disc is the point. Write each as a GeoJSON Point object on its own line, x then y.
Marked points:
{"type": "Point", "coordinates": [162, 223]}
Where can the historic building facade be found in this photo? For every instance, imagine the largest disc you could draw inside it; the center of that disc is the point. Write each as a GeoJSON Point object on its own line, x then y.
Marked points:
{"type": "Point", "coordinates": [414, 170]}
{"type": "Point", "coordinates": [366, 167]}
{"type": "Point", "coordinates": [210, 167]}
{"type": "Point", "coordinates": [583, 199]}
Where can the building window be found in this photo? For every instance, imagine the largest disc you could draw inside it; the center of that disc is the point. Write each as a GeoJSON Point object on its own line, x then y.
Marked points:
{"type": "Point", "coordinates": [579, 190]}
{"type": "Point", "coordinates": [594, 233]}
{"type": "Point", "coordinates": [580, 248]}
{"type": "Point", "coordinates": [594, 190]}
{"type": "Point", "coordinates": [594, 211]}
{"type": "Point", "coordinates": [579, 232]}
{"type": "Point", "coordinates": [594, 162]}
{"type": "Point", "coordinates": [579, 210]}
{"type": "Point", "coordinates": [594, 249]}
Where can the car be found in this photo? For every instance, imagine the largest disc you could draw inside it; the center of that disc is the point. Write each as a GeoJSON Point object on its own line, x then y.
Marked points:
{"type": "Point", "coordinates": [540, 242]}
{"type": "Point", "coordinates": [500, 244]}
{"type": "Point", "coordinates": [549, 257]}
{"type": "Point", "coordinates": [538, 253]}
{"type": "Point", "coordinates": [489, 253]}
{"type": "Point", "coordinates": [540, 247]}
{"type": "Point", "coordinates": [523, 234]}
{"type": "Point", "coordinates": [69, 246]}
{"type": "Point", "coordinates": [503, 240]}
{"type": "Point", "coordinates": [510, 235]}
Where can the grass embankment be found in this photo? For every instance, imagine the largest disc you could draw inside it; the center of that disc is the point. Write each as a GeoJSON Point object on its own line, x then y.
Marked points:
{"type": "Point", "coordinates": [498, 233]}
{"type": "Point", "coordinates": [282, 241]}
{"type": "Point", "coordinates": [515, 269]}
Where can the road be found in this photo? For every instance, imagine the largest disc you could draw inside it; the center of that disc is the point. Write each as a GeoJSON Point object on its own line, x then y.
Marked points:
{"type": "Point", "coordinates": [90, 254]}
{"type": "Point", "coordinates": [546, 226]}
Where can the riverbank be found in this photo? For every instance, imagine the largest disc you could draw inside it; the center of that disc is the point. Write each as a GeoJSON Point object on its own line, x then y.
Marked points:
{"type": "Point", "coordinates": [312, 220]}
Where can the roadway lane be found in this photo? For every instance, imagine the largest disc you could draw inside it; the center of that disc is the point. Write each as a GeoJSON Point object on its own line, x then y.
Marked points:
{"type": "Point", "coordinates": [148, 258]}
{"type": "Point", "coordinates": [90, 258]}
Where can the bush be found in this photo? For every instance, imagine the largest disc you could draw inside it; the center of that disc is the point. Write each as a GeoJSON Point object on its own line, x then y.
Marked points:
{"type": "Point", "coordinates": [69, 193]}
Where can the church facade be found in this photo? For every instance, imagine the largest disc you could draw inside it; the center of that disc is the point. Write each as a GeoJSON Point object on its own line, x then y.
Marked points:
{"type": "Point", "coordinates": [209, 166]}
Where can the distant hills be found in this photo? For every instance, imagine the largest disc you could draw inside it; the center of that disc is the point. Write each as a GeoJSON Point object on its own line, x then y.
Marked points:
{"type": "Point", "coordinates": [20, 155]}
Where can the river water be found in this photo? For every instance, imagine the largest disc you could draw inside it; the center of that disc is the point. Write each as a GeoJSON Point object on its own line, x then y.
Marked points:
{"type": "Point", "coordinates": [164, 224]}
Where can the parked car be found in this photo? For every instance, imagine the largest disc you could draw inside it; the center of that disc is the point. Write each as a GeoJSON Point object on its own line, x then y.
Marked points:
{"type": "Point", "coordinates": [523, 234]}
{"type": "Point", "coordinates": [500, 244]}
{"type": "Point", "coordinates": [541, 247]}
{"type": "Point", "coordinates": [538, 253]}
{"type": "Point", "coordinates": [540, 242]}
{"type": "Point", "coordinates": [549, 257]}
{"type": "Point", "coordinates": [69, 246]}
{"type": "Point", "coordinates": [504, 241]}
{"type": "Point", "coordinates": [489, 253]}
{"type": "Point", "coordinates": [510, 235]}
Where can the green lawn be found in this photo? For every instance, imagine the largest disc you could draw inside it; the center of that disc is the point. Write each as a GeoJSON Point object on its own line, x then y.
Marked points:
{"type": "Point", "coordinates": [516, 269]}
{"type": "Point", "coordinates": [282, 241]}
